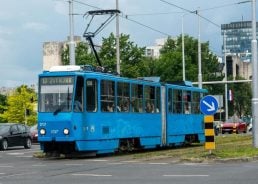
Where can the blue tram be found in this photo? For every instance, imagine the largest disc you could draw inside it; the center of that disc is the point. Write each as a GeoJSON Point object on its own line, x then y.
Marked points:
{"type": "Point", "coordinates": [84, 111]}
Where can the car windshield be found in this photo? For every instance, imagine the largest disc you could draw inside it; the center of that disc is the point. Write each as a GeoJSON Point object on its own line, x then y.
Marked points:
{"type": "Point", "coordinates": [4, 128]}
{"type": "Point", "coordinates": [55, 94]}
{"type": "Point", "coordinates": [234, 120]}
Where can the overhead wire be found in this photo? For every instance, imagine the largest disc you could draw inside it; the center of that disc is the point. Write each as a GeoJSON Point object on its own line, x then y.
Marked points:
{"type": "Point", "coordinates": [150, 14]}
{"type": "Point", "coordinates": [139, 23]}
{"type": "Point", "coordinates": [86, 4]}
{"type": "Point", "coordinates": [193, 12]}
{"type": "Point", "coordinates": [125, 17]}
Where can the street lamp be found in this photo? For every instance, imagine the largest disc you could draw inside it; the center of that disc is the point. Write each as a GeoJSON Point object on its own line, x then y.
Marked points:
{"type": "Point", "coordinates": [199, 52]}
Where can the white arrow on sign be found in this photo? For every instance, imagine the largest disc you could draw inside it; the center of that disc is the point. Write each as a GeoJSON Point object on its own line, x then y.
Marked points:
{"type": "Point", "coordinates": [211, 106]}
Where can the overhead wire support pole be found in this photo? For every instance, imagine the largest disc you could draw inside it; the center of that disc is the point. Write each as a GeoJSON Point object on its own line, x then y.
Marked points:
{"type": "Point", "coordinates": [183, 47]}
{"type": "Point", "coordinates": [199, 52]}
{"type": "Point", "coordinates": [71, 37]}
{"type": "Point", "coordinates": [254, 77]}
{"type": "Point", "coordinates": [117, 41]}
{"type": "Point", "coordinates": [226, 77]}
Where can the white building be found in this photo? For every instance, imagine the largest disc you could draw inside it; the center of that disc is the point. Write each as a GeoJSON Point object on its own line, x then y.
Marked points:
{"type": "Point", "coordinates": [52, 52]}
{"type": "Point", "coordinates": [154, 51]}
{"type": "Point", "coordinates": [237, 67]}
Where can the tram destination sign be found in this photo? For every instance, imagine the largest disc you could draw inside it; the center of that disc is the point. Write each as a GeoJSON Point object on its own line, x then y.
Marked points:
{"type": "Point", "coordinates": [56, 80]}
{"type": "Point", "coordinates": [209, 105]}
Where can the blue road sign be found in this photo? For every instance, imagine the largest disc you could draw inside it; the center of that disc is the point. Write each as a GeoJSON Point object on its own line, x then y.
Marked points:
{"type": "Point", "coordinates": [209, 105]}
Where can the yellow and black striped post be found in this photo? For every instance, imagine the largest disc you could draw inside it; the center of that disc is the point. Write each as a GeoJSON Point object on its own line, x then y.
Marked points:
{"type": "Point", "coordinates": [209, 132]}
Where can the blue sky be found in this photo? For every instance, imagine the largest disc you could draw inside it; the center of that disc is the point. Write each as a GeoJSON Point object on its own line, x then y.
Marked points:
{"type": "Point", "coordinates": [25, 25]}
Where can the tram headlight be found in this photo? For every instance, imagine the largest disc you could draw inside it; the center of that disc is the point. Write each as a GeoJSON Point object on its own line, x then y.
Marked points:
{"type": "Point", "coordinates": [66, 131]}
{"type": "Point", "coordinates": [42, 131]}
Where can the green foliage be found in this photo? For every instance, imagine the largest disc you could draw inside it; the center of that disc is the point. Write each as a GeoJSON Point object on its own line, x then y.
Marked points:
{"type": "Point", "coordinates": [82, 55]}
{"type": "Point", "coordinates": [3, 104]}
{"type": "Point", "coordinates": [168, 67]}
{"type": "Point", "coordinates": [131, 56]}
{"type": "Point", "coordinates": [241, 104]}
{"type": "Point", "coordinates": [21, 106]}
{"type": "Point", "coordinates": [170, 62]}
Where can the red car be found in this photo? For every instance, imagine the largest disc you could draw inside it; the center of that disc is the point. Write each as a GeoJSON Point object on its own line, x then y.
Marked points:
{"type": "Point", "coordinates": [234, 126]}
{"type": "Point", "coordinates": [34, 133]}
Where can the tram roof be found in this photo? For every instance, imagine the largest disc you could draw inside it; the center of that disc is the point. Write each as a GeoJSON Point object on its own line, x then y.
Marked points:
{"type": "Point", "coordinates": [89, 70]}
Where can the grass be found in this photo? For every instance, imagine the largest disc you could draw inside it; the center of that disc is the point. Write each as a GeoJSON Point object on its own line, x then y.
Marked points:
{"type": "Point", "coordinates": [228, 146]}
{"type": "Point", "coordinates": [234, 146]}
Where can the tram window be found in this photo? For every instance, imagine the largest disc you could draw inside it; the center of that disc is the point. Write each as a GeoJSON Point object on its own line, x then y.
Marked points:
{"type": "Point", "coordinates": [158, 99]}
{"type": "Point", "coordinates": [149, 99]}
{"type": "Point", "coordinates": [177, 101]}
{"type": "Point", "coordinates": [137, 98]}
{"type": "Point", "coordinates": [78, 100]}
{"type": "Point", "coordinates": [56, 94]}
{"type": "Point", "coordinates": [107, 96]}
{"type": "Point", "coordinates": [123, 97]}
{"type": "Point", "coordinates": [91, 95]}
{"type": "Point", "coordinates": [170, 100]}
{"type": "Point", "coordinates": [187, 102]}
{"type": "Point", "coordinates": [195, 103]}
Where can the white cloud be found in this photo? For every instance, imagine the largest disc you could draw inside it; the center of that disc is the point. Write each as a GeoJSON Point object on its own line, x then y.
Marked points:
{"type": "Point", "coordinates": [36, 26]}
{"type": "Point", "coordinates": [4, 31]}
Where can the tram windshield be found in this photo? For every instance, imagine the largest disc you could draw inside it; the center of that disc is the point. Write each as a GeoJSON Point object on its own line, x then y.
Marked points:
{"type": "Point", "coordinates": [55, 94]}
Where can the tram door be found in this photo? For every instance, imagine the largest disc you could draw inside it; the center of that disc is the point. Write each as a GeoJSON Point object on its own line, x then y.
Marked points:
{"type": "Point", "coordinates": [163, 115]}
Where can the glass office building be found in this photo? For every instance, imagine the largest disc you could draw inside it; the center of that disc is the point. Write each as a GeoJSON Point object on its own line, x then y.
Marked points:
{"type": "Point", "coordinates": [238, 37]}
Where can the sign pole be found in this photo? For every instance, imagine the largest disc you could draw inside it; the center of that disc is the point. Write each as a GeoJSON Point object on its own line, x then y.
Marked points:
{"type": "Point", "coordinates": [209, 106]}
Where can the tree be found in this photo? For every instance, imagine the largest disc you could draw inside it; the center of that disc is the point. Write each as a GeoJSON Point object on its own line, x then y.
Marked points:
{"type": "Point", "coordinates": [242, 94]}
{"type": "Point", "coordinates": [170, 62]}
{"type": "Point", "coordinates": [3, 104]}
{"type": "Point", "coordinates": [21, 106]}
{"type": "Point", "coordinates": [82, 55]}
{"type": "Point", "coordinates": [131, 56]}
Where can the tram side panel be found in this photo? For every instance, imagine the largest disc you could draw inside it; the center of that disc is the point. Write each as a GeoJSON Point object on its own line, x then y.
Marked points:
{"type": "Point", "coordinates": [184, 123]}
{"type": "Point", "coordinates": [105, 131]}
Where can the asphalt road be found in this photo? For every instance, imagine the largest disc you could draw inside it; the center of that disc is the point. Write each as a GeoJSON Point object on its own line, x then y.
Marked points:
{"type": "Point", "coordinates": [18, 166]}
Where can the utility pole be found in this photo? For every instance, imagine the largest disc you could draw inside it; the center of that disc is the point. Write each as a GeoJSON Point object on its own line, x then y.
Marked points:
{"type": "Point", "coordinates": [226, 76]}
{"type": "Point", "coordinates": [71, 40]}
{"type": "Point", "coordinates": [199, 52]}
{"type": "Point", "coordinates": [183, 48]}
{"type": "Point", "coordinates": [254, 77]}
{"type": "Point", "coordinates": [117, 41]}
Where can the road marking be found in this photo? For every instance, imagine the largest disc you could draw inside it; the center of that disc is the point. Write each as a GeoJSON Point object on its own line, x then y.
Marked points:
{"type": "Point", "coordinates": [95, 175]}
{"type": "Point", "coordinates": [194, 164]}
{"type": "Point", "coordinates": [2, 173]}
{"type": "Point", "coordinates": [5, 166]}
{"type": "Point", "coordinates": [130, 161]}
{"type": "Point", "coordinates": [20, 174]}
{"type": "Point", "coordinates": [24, 156]}
{"type": "Point", "coordinates": [115, 163]}
{"type": "Point", "coordinates": [179, 175]}
{"type": "Point", "coordinates": [156, 163]}
{"type": "Point", "coordinates": [97, 160]}
{"type": "Point", "coordinates": [15, 153]}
